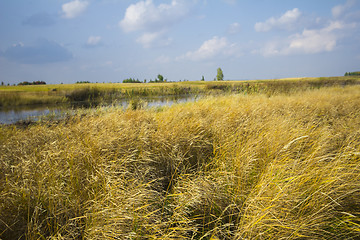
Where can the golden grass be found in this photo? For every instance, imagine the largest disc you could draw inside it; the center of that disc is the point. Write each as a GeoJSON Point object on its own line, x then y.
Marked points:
{"type": "Point", "coordinates": [11, 96]}
{"type": "Point", "coordinates": [101, 86]}
{"type": "Point", "coordinates": [228, 167]}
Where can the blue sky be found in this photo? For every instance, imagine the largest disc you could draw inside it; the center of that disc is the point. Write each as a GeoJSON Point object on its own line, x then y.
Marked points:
{"type": "Point", "coordinates": [64, 41]}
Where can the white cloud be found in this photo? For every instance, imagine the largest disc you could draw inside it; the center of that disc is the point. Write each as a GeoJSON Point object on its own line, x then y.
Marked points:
{"type": "Point", "coordinates": [145, 15]}
{"type": "Point", "coordinates": [153, 39]}
{"type": "Point", "coordinates": [315, 41]}
{"type": "Point", "coordinates": [210, 49]}
{"type": "Point", "coordinates": [147, 39]}
{"type": "Point", "coordinates": [154, 21]}
{"type": "Point", "coordinates": [286, 21]}
{"type": "Point", "coordinates": [312, 41]}
{"type": "Point", "coordinates": [93, 40]}
{"type": "Point", "coordinates": [308, 42]}
{"type": "Point", "coordinates": [74, 9]}
{"type": "Point", "coordinates": [234, 28]}
{"type": "Point", "coordinates": [339, 10]}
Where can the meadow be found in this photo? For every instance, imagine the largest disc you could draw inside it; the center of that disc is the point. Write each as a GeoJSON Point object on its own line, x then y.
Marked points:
{"type": "Point", "coordinates": [14, 96]}
{"type": "Point", "coordinates": [279, 160]}
{"type": "Point", "coordinates": [28, 95]}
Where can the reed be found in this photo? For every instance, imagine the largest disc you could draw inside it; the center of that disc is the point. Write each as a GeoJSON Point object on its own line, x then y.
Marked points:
{"type": "Point", "coordinates": [11, 96]}
{"type": "Point", "coordinates": [226, 167]}
{"type": "Point", "coordinates": [284, 86]}
{"type": "Point", "coordinates": [14, 99]}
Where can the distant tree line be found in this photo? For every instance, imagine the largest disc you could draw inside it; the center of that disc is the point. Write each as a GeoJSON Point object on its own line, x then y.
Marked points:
{"type": "Point", "coordinates": [80, 82]}
{"type": "Point", "coordinates": [159, 79]}
{"type": "Point", "coordinates": [131, 80]}
{"type": "Point", "coordinates": [32, 83]}
{"type": "Point", "coordinates": [352, 74]}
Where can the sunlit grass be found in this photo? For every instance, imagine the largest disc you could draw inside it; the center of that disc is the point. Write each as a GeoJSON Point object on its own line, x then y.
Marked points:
{"type": "Point", "coordinates": [11, 96]}
{"type": "Point", "coordinates": [258, 166]}
{"type": "Point", "coordinates": [14, 98]}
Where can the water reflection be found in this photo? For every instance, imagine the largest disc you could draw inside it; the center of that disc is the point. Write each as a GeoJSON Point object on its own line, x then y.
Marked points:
{"type": "Point", "coordinates": [35, 112]}
{"type": "Point", "coordinates": [15, 115]}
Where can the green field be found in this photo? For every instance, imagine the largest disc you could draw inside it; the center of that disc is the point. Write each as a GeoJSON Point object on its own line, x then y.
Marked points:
{"type": "Point", "coordinates": [275, 159]}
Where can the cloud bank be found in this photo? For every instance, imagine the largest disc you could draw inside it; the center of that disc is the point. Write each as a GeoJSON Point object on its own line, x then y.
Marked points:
{"type": "Point", "coordinates": [286, 21]}
{"type": "Point", "coordinates": [310, 41]}
{"type": "Point", "coordinates": [339, 10]}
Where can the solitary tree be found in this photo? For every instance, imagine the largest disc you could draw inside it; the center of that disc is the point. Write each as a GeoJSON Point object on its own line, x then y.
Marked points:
{"type": "Point", "coordinates": [161, 78]}
{"type": "Point", "coordinates": [202, 79]}
{"type": "Point", "coordinates": [220, 75]}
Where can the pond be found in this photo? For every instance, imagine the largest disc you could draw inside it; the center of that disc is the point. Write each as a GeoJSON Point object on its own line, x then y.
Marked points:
{"type": "Point", "coordinates": [34, 113]}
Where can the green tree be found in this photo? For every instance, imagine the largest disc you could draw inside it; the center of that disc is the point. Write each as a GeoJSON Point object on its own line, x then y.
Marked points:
{"type": "Point", "coordinates": [160, 78]}
{"type": "Point", "coordinates": [131, 80]}
{"type": "Point", "coordinates": [220, 75]}
{"type": "Point", "coordinates": [2, 84]}
{"type": "Point", "coordinates": [202, 79]}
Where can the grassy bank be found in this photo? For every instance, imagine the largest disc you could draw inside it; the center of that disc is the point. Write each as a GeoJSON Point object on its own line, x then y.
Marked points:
{"type": "Point", "coordinates": [12, 96]}
{"type": "Point", "coordinates": [227, 167]}
{"type": "Point", "coordinates": [16, 99]}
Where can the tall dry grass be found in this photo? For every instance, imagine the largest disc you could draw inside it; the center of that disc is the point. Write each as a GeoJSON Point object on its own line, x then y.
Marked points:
{"type": "Point", "coordinates": [231, 167]}
{"type": "Point", "coordinates": [94, 93]}
{"type": "Point", "coordinates": [14, 99]}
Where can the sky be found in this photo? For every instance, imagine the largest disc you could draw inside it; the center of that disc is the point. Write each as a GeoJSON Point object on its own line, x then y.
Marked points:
{"type": "Point", "coordinates": [65, 41]}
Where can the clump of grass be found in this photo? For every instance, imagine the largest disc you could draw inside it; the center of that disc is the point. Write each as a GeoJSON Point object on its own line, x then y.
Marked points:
{"type": "Point", "coordinates": [85, 94]}
{"type": "Point", "coordinates": [153, 91]}
{"type": "Point", "coordinates": [136, 104]}
{"type": "Point", "coordinates": [11, 99]}
{"type": "Point", "coordinates": [229, 167]}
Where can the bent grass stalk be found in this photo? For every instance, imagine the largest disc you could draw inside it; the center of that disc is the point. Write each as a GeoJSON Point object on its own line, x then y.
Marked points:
{"type": "Point", "coordinates": [229, 167]}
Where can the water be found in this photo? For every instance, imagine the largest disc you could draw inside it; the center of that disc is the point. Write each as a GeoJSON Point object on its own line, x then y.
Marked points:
{"type": "Point", "coordinates": [16, 115]}
{"type": "Point", "coordinates": [35, 113]}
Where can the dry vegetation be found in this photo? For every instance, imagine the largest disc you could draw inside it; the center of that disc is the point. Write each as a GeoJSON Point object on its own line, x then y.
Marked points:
{"type": "Point", "coordinates": [14, 96]}
{"type": "Point", "coordinates": [226, 167]}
